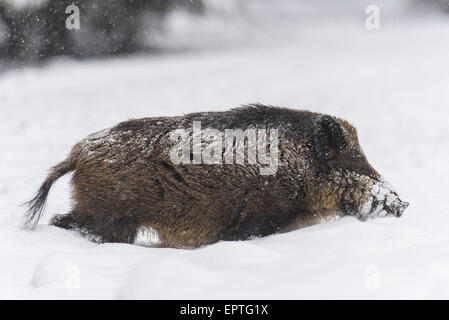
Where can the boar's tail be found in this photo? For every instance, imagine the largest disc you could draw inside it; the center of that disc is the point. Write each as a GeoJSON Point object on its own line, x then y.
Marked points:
{"type": "Point", "coordinates": [35, 206]}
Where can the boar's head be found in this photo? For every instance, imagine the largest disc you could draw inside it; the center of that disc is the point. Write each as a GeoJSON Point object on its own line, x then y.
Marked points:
{"type": "Point", "coordinates": [341, 178]}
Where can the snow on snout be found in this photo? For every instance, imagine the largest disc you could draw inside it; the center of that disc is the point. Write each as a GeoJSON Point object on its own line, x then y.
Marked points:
{"type": "Point", "coordinates": [383, 201]}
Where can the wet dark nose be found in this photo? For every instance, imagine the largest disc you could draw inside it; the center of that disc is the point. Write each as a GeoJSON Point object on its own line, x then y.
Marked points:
{"type": "Point", "coordinates": [397, 207]}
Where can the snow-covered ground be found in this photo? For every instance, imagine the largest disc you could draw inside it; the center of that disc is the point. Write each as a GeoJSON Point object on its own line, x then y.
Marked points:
{"type": "Point", "coordinates": [392, 84]}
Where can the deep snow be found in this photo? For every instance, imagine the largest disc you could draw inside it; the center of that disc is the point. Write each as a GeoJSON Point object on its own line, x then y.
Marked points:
{"type": "Point", "coordinates": [392, 84]}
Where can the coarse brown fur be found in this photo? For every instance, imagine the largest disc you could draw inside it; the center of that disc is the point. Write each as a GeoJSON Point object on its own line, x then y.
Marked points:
{"type": "Point", "coordinates": [124, 179]}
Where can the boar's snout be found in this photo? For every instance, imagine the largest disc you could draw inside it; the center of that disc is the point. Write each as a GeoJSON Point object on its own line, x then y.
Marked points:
{"type": "Point", "coordinates": [397, 207]}
{"type": "Point", "coordinates": [382, 201]}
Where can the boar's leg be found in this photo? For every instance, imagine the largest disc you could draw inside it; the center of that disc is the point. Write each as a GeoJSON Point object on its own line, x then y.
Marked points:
{"type": "Point", "coordinates": [97, 227]}
{"type": "Point", "coordinates": [114, 228]}
{"type": "Point", "coordinates": [64, 221]}
{"type": "Point", "coordinates": [259, 217]}
{"type": "Point", "coordinates": [307, 218]}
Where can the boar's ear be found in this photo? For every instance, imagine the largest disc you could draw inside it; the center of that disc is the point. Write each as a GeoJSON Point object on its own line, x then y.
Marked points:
{"type": "Point", "coordinates": [330, 137]}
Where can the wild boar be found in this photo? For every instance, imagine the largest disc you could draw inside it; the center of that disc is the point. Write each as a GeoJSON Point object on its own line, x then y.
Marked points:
{"type": "Point", "coordinates": [204, 177]}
